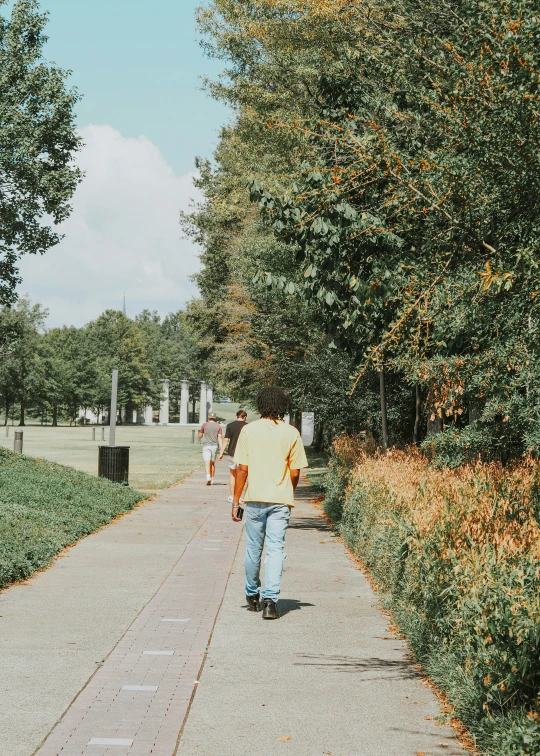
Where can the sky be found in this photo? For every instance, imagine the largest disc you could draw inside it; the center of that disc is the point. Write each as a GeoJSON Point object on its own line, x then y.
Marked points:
{"type": "Point", "coordinates": [143, 119]}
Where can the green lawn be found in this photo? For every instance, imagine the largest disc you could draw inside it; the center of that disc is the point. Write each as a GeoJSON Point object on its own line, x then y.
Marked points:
{"type": "Point", "coordinates": [159, 456]}
{"type": "Point", "coordinates": [45, 507]}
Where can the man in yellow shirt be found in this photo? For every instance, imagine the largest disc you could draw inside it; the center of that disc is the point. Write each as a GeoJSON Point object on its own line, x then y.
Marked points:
{"type": "Point", "coordinates": [270, 455]}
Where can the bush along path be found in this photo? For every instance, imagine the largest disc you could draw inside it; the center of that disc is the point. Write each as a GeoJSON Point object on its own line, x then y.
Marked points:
{"type": "Point", "coordinates": [455, 555]}
{"type": "Point", "coordinates": [45, 507]}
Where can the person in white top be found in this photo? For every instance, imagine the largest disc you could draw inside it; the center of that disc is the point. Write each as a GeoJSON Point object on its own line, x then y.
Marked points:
{"type": "Point", "coordinates": [211, 436]}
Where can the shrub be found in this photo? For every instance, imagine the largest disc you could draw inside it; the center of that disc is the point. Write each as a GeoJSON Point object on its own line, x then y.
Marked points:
{"type": "Point", "coordinates": [455, 554]}
{"type": "Point", "coordinates": [346, 451]}
{"type": "Point", "coordinates": [45, 507]}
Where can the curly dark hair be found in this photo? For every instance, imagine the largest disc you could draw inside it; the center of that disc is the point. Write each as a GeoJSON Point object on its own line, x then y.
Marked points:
{"type": "Point", "coordinates": [273, 403]}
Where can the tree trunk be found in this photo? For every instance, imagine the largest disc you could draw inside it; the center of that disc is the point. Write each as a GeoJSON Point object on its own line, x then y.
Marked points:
{"type": "Point", "coordinates": [55, 416]}
{"type": "Point", "coordinates": [22, 423]}
{"type": "Point", "coordinates": [418, 416]}
{"type": "Point", "coordinates": [384, 412]}
{"type": "Point", "coordinates": [319, 437]}
{"type": "Point", "coordinates": [6, 400]}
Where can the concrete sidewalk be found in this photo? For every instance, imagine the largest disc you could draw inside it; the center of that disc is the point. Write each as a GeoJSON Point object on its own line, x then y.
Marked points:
{"type": "Point", "coordinates": [57, 628]}
{"type": "Point", "coordinates": [326, 678]}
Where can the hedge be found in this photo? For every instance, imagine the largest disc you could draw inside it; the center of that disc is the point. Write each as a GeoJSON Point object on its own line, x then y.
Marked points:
{"type": "Point", "coordinates": [455, 555]}
{"type": "Point", "coordinates": [45, 507]}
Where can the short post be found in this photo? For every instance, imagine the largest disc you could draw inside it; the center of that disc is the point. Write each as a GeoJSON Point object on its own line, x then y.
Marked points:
{"type": "Point", "coordinates": [93, 434]}
{"type": "Point", "coordinates": [193, 436]}
{"type": "Point", "coordinates": [18, 442]}
{"type": "Point", "coordinates": [103, 434]}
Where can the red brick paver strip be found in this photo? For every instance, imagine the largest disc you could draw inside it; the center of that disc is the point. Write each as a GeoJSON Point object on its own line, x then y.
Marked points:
{"type": "Point", "coordinates": [137, 701]}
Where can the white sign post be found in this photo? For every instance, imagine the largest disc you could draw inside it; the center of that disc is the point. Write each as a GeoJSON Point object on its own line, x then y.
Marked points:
{"type": "Point", "coordinates": [308, 428]}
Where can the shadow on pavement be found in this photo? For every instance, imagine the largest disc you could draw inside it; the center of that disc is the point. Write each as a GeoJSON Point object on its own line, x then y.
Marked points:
{"type": "Point", "coordinates": [401, 669]}
{"type": "Point", "coordinates": [291, 605]}
{"type": "Point", "coordinates": [309, 523]}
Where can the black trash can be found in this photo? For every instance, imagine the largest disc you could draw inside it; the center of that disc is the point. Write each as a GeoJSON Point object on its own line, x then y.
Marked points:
{"type": "Point", "coordinates": [114, 463]}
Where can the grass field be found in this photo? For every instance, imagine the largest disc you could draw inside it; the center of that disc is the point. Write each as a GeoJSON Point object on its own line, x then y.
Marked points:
{"type": "Point", "coordinates": [45, 507]}
{"type": "Point", "coordinates": [159, 456]}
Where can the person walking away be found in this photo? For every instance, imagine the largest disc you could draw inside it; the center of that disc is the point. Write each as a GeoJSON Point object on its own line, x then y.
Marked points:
{"type": "Point", "coordinates": [232, 432]}
{"type": "Point", "coordinates": [269, 454]}
{"type": "Point", "coordinates": [210, 433]}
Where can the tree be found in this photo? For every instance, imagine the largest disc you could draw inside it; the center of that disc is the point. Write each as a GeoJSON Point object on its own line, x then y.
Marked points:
{"type": "Point", "coordinates": [38, 143]}
{"type": "Point", "coordinates": [70, 372]}
{"type": "Point", "coordinates": [172, 353]}
{"type": "Point", "coordinates": [21, 370]}
{"type": "Point", "coordinates": [116, 342]}
{"type": "Point", "coordinates": [416, 223]}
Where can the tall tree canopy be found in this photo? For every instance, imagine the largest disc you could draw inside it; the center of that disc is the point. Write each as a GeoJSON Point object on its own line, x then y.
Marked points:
{"type": "Point", "coordinates": [393, 152]}
{"type": "Point", "coordinates": [38, 141]}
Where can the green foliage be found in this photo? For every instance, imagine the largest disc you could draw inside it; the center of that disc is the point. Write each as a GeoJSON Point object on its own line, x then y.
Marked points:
{"type": "Point", "coordinates": [21, 370]}
{"type": "Point", "coordinates": [38, 143]}
{"type": "Point", "coordinates": [45, 507]}
{"type": "Point", "coordinates": [171, 353]}
{"type": "Point", "coordinates": [52, 374]}
{"type": "Point", "coordinates": [117, 343]}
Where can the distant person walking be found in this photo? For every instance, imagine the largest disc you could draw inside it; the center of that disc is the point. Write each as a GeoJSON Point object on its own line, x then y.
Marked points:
{"type": "Point", "coordinates": [210, 433]}
{"type": "Point", "coordinates": [232, 433]}
{"type": "Point", "coordinates": [269, 455]}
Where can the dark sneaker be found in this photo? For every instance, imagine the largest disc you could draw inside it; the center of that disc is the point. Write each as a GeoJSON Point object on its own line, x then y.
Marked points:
{"type": "Point", "coordinates": [254, 604]}
{"type": "Point", "coordinates": [269, 608]}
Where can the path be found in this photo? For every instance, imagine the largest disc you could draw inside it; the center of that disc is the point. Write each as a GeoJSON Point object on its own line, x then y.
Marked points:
{"type": "Point", "coordinates": [327, 675]}
{"type": "Point", "coordinates": [327, 678]}
{"type": "Point", "coordinates": [57, 628]}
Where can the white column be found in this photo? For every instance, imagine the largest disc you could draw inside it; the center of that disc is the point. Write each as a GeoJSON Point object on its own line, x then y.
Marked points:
{"type": "Point", "coordinates": [164, 405]}
{"type": "Point", "coordinates": [308, 428]}
{"type": "Point", "coordinates": [203, 411]}
{"type": "Point", "coordinates": [148, 415]}
{"type": "Point", "coordinates": [209, 398]}
{"type": "Point", "coordinates": [184, 403]}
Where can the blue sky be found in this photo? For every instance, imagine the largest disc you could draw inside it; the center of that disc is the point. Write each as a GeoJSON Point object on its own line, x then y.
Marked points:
{"type": "Point", "coordinates": [143, 119]}
{"type": "Point", "coordinates": [138, 65]}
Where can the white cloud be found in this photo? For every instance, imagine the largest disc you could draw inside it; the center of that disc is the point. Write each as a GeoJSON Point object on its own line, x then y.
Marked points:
{"type": "Point", "coordinates": [123, 236]}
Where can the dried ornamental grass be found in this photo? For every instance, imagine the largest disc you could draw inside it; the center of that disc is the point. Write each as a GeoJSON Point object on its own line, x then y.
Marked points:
{"type": "Point", "coordinates": [455, 554]}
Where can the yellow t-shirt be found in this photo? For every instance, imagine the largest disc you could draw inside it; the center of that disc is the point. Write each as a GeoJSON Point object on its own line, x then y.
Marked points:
{"type": "Point", "coordinates": [270, 450]}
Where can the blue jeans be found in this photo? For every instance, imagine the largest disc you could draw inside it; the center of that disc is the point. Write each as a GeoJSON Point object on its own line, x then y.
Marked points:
{"type": "Point", "coordinates": [268, 521]}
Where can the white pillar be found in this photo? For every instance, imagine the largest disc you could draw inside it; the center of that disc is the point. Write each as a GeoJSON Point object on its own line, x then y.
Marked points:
{"type": "Point", "coordinates": [148, 415]}
{"type": "Point", "coordinates": [209, 398]}
{"type": "Point", "coordinates": [184, 403]}
{"type": "Point", "coordinates": [164, 405]}
{"type": "Point", "coordinates": [203, 411]}
{"type": "Point", "coordinates": [308, 428]}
